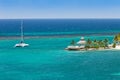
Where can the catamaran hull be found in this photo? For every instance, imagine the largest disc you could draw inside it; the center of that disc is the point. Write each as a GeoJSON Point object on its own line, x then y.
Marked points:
{"type": "Point", "coordinates": [22, 45]}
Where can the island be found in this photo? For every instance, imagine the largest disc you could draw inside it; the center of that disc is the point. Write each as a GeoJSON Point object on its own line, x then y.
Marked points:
{"type": "Point", "coordinates": [89, 44]}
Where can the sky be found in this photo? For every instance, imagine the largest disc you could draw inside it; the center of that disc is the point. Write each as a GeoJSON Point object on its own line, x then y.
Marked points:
{"type": "Point", "coordinates": [12, 9]}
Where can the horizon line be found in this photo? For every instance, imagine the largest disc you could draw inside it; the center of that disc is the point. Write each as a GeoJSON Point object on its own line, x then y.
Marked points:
{"type": "Point", "coordinates": [59, 18]}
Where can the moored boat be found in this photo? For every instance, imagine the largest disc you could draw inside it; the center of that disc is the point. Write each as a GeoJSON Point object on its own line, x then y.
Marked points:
{"type": "Point", "coordinates": [22, 43]}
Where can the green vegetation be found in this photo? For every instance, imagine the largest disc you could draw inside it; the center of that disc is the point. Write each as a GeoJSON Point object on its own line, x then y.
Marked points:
{"type": "Point", "coordinates": [97, 44]}
{"type": "Point", "coordinates": [88, 44]}
{"type": "Point", "coordinates": [73, 42]}
{"type": "Point", "coordinates": [106, 42]}
{"type": "Point", "coordinates": [114, 45]}
{"type": "Point", "coordinates": [117, 38]}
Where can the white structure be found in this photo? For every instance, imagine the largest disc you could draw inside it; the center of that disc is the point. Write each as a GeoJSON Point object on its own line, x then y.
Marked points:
{"type": "Point", "coordinates": [82, 42]}
{"type": "Point", "coordinates": [117, 47]}
{"type": "Point", "coordinates": [73, 48]}
{"type": "Point", "coordinates": [21, 44]}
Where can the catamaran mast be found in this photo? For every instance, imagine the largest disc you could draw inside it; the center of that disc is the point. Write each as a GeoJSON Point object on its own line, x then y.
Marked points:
{"type": "Point", "coordinates": [22, 44]}
{"type": "Point", "coordinates": [22, 34]}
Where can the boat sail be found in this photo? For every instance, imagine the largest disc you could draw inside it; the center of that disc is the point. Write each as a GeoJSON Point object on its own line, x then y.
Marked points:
{"type": "Point", "coordinates": [21, 44]}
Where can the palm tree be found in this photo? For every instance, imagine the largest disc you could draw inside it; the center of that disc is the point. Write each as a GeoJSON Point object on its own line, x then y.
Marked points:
{"type": "Point", "coordinates": [118, 35]}
{"type": "Point", "coordinates": [116, 38]}
{"type": "Point", "coordinates": [100, 43]}
{"type": "Point", "coordinates": [106, 41]}
{"type": "Point", "coordinates": [88, 43]}
{"type": "Point", "coordinates": [95, 44]}
{"type": "Point", "coordinates": [95, 40]}
{"type": "Point", "coordinates": [114, 45]}
{"type": "Point", "coordinates": [72, 42]}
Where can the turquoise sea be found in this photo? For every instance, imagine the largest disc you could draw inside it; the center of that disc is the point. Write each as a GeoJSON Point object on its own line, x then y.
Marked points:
{"type": "Point", "coordinates": [46, 59]}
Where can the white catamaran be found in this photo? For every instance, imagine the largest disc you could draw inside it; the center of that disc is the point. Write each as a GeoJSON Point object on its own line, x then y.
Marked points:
{"type": "Point", "coordinates": [21, 44]}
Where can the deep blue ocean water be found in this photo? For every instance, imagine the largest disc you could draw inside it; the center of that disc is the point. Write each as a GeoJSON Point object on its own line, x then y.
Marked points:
{"type": "Point", "coordinates": [46, 59]}
{"type": "Point", "coordinates": [46, 27]}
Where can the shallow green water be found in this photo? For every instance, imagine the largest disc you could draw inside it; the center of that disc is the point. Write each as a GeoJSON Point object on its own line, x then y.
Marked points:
{"type": "Point", "coordinates": [46, 59]}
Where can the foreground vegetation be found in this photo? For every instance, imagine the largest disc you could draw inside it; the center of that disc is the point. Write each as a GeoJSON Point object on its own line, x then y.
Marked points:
{"type": "Point", "coordinates": [97, 44]}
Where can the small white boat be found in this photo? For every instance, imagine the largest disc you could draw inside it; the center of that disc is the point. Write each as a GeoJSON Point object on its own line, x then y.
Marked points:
{"type": "Point", "coordinates": [21, 44]}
